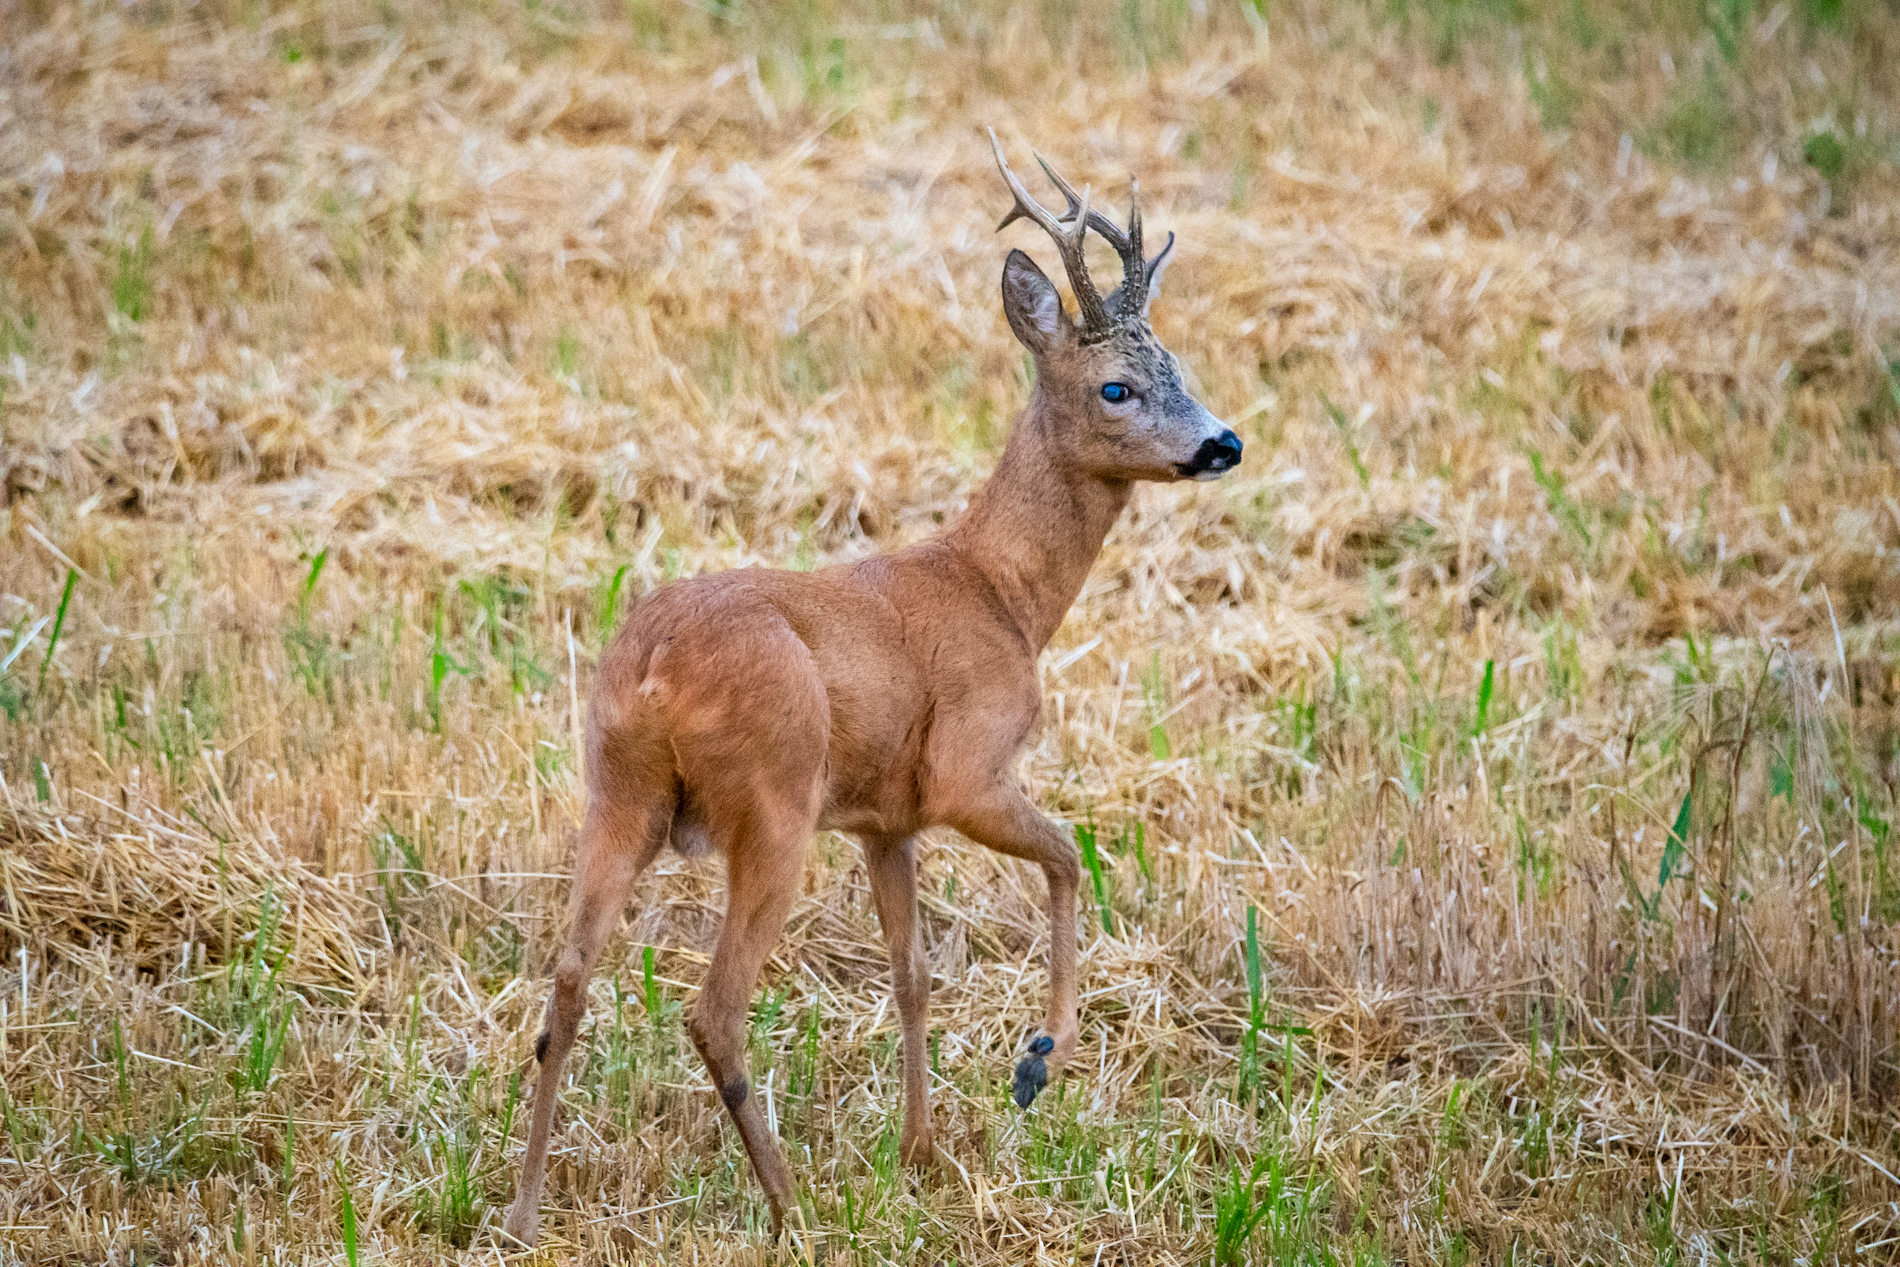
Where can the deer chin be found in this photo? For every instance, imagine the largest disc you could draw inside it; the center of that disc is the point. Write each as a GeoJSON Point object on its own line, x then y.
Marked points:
{"type": "Point", "coordinates": [1204, 473]}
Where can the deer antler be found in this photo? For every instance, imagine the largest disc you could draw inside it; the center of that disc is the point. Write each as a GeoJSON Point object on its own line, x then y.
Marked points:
{"type": "Point", "coordinates": [1127, 244]}
{"type": "Point", "coordinates": [1095, 316]}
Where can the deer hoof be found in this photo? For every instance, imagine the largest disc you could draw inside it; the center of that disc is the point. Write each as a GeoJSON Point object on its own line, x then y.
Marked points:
{"type": "Point", "coordinates": [1032, 1075]}
{"type": "Point", "coordinates": [518, 1231]}
{"type": "Point", "coordinates": [919, 1152]}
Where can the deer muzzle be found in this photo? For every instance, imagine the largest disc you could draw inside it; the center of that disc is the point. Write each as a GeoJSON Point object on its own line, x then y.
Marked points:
{"type": "Point", "coordinates": [1216, 456]}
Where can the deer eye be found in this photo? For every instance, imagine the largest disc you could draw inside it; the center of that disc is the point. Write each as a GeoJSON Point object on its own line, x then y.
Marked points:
{"type": "Point", "coordinates": [1115, 393]}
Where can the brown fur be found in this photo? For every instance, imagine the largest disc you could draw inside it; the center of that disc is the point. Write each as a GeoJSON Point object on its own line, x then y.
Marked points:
{"type": "Point", "coordinates": [748, 709]}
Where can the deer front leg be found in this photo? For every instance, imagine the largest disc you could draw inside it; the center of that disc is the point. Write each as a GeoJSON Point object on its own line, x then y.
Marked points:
{"type": "Point", "coordinates": [893, 868]}
{"type": "Point", "coordinates": [1003, 819]}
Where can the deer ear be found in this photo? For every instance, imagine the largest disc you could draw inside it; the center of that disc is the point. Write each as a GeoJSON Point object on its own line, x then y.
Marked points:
{"type": "Point", "coordinates": [1032, 305]}
{"type": "Point", "coordinates": [1156, 267]}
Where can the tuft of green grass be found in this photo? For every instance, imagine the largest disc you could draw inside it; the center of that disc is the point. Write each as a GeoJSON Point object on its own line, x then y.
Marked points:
{"type": "Point", "coordinates": [1824, 152]}
{"type": "Point", "coordinates": [1447, 27]}
{"type": "Point", "coordinates": [1695, 126]}
{"type": "Point", "coordinates": [457, 1210]}
{"type": "Point", "coordinates": [1238, 1212]}
{"type": "Point", "coordinates": [1847, 158]}
{"type": "Point", "coordinates": [1555, 94]}
{"type": "Point", "coordinates": [259, 1004]}
{"type": "Point", "coordinates": [1562, 504]}
{"type": "Point", "coordinates": [1134, 837]}
{"type": "Point", "coordinates": [132, 279]}
{"type": "Point", "coordinates": [1563, 662]}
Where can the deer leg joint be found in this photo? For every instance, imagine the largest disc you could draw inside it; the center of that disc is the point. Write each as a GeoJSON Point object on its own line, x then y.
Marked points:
{"type": "Point", "coordinates": [734, 1094]}
{"type": "Point", "coordinates": [541, 1047]}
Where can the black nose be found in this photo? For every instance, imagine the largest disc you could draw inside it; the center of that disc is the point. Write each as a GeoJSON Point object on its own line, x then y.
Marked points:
{"type": "Point", "coordinates": [1216, 455]}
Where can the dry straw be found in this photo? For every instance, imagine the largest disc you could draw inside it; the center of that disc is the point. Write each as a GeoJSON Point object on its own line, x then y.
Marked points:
{"type": "Point", "coordinates": [1530, 694]}
{"type": "Point", "coordinates": [143, 893]}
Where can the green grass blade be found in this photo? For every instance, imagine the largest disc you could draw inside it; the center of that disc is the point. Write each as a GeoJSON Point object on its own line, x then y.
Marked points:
{"type": "Point", "coordinates": [1674, 847]}
{"type": "Point", "coordinates": [349, 1217]}
{"type": "Point", "coordinates": [59, 624]}
{"type": "Point", "coordinates": [1085, 838]}
{"type": "Point", "coordinates": [316, 570]}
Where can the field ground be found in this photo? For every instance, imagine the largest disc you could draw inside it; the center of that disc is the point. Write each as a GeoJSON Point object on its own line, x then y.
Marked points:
{"type": "Point", "coordinates": [1489, 789]}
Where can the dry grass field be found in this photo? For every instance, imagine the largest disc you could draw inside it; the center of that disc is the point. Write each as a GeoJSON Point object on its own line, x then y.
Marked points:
{"type": "Point", "coordinates": [1489, 790]}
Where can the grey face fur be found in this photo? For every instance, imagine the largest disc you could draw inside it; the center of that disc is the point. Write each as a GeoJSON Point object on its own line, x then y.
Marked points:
{"type": "Point", "coordinates": [1157, 432]}
{"type": "Point", "coordinates": [1133, 418]}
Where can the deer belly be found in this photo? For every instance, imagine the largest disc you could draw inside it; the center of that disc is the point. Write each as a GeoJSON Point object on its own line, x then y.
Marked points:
{"type": "Point", "coordinates": [873, 793]}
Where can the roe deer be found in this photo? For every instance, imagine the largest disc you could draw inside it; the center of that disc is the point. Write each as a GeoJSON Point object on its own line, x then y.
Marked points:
{"type": "Point", "coordinates": [751, 708]}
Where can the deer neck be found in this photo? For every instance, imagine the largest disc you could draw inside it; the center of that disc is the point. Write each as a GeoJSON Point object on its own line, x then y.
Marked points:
{"type": "Point", "coordinates": [1036, 528]}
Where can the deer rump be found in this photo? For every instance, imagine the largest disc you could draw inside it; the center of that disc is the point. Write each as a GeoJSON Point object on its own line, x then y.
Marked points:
{"type": "Point", "coordinates": [750, 695]}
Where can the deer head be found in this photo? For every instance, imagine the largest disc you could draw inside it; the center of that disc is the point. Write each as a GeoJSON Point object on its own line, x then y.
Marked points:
{"type": "Point", "coordinates": [1122, 412]}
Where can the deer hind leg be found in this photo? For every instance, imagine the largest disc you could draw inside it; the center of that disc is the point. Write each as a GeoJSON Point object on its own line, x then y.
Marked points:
{"type": "Point", "coordinates": [615, 847]}
{"type": "Point", "coordinates": [1002, 818]}
{"type": "Point", "coordinates": [763, 866]}
{"type": "Point", "coordinates": [893, 866]}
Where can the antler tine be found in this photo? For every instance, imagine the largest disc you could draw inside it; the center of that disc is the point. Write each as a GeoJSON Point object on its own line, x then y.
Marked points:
{"type": "Point", "coordinates": [1131, 258]}
{"type": "Point", "coordinates": [1069, 242]}
{"type": "Point", "coordinates": [1127, 243]}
